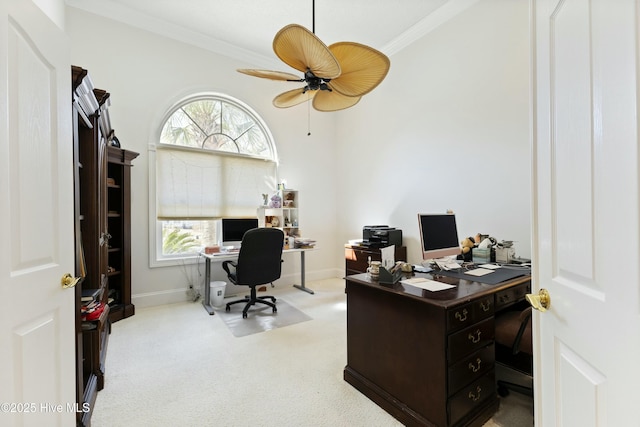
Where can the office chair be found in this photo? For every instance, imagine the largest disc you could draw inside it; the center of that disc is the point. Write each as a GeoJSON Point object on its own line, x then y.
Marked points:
{"type": "Point", "coordinates": [259, 262]}
{"type": "Point", "coordinates": [514, 350]}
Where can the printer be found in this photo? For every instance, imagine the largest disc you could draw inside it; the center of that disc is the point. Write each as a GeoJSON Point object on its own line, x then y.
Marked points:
{"type": "Point", "coordinates": [381, 236]}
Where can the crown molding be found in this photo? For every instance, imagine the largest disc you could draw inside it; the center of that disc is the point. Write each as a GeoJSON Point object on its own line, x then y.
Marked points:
{"type": "Point", "coordinates": [435, 19]}
{"type": "Point", "coordinates": [140, 20]}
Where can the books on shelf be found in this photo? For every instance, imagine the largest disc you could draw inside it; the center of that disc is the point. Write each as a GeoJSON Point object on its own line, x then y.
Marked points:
{"type": "Point", "coordinates": [300, 243]}
{"type": "Point", "coordinates": [89, 295]}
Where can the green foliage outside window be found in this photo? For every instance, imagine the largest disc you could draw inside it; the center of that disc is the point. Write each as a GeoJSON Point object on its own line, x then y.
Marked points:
{"type": "Point", "coordinates": [175, 241]}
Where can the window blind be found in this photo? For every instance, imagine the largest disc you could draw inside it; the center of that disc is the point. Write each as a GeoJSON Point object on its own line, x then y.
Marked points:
{"type": "Point", "coordinates": [195, 184]}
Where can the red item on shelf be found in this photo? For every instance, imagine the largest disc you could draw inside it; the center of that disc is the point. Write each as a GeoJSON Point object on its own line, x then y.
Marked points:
{"type": "Point", "coordinates": [94, 314]}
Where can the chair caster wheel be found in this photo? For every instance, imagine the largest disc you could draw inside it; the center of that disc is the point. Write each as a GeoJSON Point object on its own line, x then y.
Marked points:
{"type": "Point", "coordinates": [275, 310]}
{"type": "Point", "coordinates": [228, 308]}
{"type": "Point", "coordinates": [244, 315]}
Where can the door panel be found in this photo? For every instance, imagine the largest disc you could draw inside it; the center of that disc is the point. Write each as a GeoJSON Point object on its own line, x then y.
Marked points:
{"type": "Point", "coordinates": [572, 144]}
{"type": "Point", "coordinates": [37, 319]}
{"type": "Point", "coordinates": [585, 145]}
{"type": "Point", "coordinates": [580, 406]}
{"type": "Point", "coordinates": [32, 165]}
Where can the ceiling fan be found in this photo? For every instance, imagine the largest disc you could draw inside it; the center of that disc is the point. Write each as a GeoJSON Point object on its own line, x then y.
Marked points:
{"type": "Point", "coordinates": [336, 77]}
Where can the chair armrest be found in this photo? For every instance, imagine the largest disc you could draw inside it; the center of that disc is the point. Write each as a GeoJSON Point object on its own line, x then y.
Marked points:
{"type": "Point", "coordinates": [225, 266]}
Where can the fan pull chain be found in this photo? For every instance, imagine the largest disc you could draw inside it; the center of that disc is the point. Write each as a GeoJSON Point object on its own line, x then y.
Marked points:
{"type": "Point", "coordinates": [308, 118]}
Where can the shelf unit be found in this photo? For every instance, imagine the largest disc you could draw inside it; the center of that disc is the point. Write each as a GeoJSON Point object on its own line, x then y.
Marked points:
{"type": "Point", "coordinates": [119, 232]}
{"type": "Point", "coordinates": [89, 106]}
{"type": "Point", "coordinates": [285, 216]}
{"type": "Point", "coordinates": [102, 236]}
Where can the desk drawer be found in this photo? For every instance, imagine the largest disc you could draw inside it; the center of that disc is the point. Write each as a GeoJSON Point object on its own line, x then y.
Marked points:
{"type": "Point", "coordinates": [470, 339]}
{"type": "Point", "coordinates": [470, 313]}
{"type": "Point", "coordinates": [471, 396]}
{"type": "Point", "coordinates": [512, 295]}
{"type": "Point", "coordinates": [471, 368]}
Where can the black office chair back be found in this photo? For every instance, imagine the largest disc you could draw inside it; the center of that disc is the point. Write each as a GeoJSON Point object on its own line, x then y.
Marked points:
{"type": "Point", "coordinates": [260, 257]}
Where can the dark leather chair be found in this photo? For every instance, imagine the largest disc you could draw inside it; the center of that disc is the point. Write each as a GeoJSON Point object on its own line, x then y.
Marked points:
{"type": "Point", "coordinates": [259, 262]}
{"type": "Point", "coordinates": [514, 350]}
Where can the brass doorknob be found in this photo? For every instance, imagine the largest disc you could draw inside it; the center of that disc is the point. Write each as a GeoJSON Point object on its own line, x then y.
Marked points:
{"type": "Point", "coordinates": [68, 281]}
{"type": "Point", "coordinates": [541, 302]}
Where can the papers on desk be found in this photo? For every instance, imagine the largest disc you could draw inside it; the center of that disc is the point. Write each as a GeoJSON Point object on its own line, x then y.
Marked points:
{"type": "Point", "coordinates": [479, 271]}
{"type": "Point", "coordinates": [387, 256]}
{"type": "Point", "coordinates": [489, 266]}
{"type": "Point", "coordinates": [447, 264]}
{"type": "Point", "coordinates": [422, 269]}
{"type": "Point", "coordinates": [300, 243]}
{"type": "Point", "coordinates": [427, 284]}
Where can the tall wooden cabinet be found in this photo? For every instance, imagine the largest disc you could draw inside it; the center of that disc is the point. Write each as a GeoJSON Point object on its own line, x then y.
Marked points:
{"type": "Point", "coordinates": [119, 232]}
{"type": "Point", "coordinates": [102, 235]}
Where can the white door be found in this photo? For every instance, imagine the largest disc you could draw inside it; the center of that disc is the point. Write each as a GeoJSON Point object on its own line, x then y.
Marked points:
{"type": "Point", "coordinates": [37, 362]}
{"type": "Point", "coordinates": [586, 221]}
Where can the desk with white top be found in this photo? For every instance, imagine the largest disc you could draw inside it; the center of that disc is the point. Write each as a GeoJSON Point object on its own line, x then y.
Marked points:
{"type": "Point", "coordinates": [224, 256]}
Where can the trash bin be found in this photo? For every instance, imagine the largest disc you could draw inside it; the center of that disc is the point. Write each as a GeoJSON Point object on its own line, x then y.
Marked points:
{"type": "Point", "coordinates": [217, 293]}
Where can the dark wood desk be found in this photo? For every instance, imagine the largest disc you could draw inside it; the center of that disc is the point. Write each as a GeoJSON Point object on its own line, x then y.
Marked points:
{"type": "Point", "coordinates": [426, 357]}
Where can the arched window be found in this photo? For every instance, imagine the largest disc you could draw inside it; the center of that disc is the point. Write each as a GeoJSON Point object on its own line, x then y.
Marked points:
{"type": "Point", "coordinates": [215, 158]}
{"type": "Point", "coordinates": [214, 122]}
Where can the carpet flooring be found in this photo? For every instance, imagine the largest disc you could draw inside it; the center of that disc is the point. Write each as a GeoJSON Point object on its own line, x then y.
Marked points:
{"type": "Point", "coordinates": [175, 365]}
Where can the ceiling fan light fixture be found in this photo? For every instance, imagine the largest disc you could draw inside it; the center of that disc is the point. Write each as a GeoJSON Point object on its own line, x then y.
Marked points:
{"type": "Point", "coordinates": [336, 76]}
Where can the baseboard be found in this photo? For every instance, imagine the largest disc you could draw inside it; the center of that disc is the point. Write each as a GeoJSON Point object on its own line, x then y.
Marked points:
{"type": "Point", "coordinates": [172, 296]}
{"type": "Point", "coordinates": [153, 299]}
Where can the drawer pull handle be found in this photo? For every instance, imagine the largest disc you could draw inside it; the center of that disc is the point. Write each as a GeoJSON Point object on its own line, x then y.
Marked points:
{"type": "Point", "coordinates": [475, 337]}
{"type": "Point", "coordinates": [486, 305]}
{"type": "Point", "coordinates": [475, 397]}
{"type": "Point", "coordinates": [475, 368]}
{"type": "Point", "coordinates": [461, 317]}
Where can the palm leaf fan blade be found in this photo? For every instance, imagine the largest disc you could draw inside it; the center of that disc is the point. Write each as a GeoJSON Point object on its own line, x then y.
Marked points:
{"type": "Point", "coordinates": [273, 75]}
{"type": "Point", "coordinates": [363, 68]}
{"type": "Point", "coordinates": [301, 49]}
{"type": "Point", "coordinates": [293, 97]}
{"type": "Point", "coordinates": [333, 101]}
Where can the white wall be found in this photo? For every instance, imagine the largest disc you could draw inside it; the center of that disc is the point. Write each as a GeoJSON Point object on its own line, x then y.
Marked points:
{"type": "Point", "coordinates": [145, 75]}
{"type": "Point", "coordinates": [447, 129]}
{"type": "Point", "coordinates": [54, 9]}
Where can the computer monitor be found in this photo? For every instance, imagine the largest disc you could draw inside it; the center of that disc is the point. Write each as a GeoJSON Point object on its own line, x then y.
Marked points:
{"type": "Point", "coordinates": [233, 230]}
{"type": "Point", "coordinates": [438, 235]}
